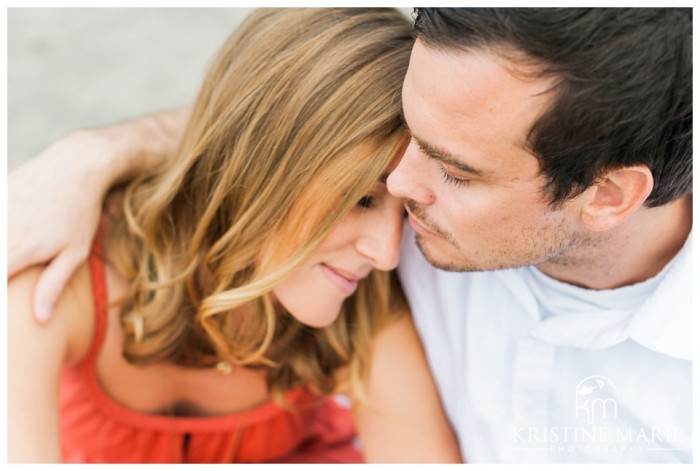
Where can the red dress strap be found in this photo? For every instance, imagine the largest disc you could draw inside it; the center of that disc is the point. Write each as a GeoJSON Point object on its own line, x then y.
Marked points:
{"type": "Point", "coordinates": [99, 290]}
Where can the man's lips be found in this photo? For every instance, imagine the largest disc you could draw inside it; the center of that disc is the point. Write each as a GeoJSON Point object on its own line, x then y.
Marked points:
{"type": "Point", "coordinates": [418, 227]}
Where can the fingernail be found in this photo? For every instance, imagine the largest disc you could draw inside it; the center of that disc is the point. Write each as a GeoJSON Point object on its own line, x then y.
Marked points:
{"type": "Point", "coordinates": [43, 311]}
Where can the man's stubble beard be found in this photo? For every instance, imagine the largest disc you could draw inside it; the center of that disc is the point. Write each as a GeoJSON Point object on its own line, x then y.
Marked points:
{"type": "Point", "coordinates": [551, 244]}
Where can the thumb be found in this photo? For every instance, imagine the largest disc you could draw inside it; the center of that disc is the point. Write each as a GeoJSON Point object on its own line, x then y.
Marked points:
{"type": "Point", "coordinates": [52, 282]}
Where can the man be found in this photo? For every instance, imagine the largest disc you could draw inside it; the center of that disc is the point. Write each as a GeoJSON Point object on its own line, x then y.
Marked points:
{"type": "Point", "coordinates": [548, 183]}
{"type": "Point", "coordinates": [548, 179]}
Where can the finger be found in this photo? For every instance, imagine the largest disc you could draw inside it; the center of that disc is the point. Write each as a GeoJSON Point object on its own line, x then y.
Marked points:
{"type": "Point", "coordinates": [52, 283]}
{"type": "Point", "coordinates": [18, 258]}
{"type": "Point", "coordinates": [15, 264]}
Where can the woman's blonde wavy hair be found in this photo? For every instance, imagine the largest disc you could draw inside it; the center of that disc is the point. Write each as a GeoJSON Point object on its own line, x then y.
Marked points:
{"type": "Point", "coordinates": [297, 118]}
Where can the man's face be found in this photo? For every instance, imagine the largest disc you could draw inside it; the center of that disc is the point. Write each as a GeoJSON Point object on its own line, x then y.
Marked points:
{"type": "Point", "coordinates": [472, 189]}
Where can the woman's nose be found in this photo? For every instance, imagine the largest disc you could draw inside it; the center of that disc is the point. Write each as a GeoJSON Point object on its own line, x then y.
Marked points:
{"type": "Point", "coordinates": [381, 241]}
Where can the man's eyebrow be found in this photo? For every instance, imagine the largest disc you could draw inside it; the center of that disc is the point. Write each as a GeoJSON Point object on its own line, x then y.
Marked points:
{"type": "Point", "coordinates": [445, 157]}
{"type": "Point", "coordinates": [436, 153]}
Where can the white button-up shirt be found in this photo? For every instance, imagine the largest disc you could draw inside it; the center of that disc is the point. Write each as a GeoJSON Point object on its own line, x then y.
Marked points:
{"type": "Point", "coordinates": [531, 369]}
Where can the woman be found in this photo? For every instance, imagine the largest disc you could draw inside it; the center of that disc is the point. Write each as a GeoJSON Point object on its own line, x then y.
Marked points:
{"type": "Point", "coordinates": [251, 268]}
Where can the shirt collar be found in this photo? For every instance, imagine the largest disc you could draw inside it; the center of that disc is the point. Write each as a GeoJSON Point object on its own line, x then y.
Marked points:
{"type": "Point", "coordinates": [660, 320]}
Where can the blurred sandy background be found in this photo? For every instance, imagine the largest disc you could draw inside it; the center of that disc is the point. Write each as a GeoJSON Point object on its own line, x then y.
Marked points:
{"type": "Point", "coordinates": [83, 67]}
{"type": "Point", "coordinates": [70, 68]}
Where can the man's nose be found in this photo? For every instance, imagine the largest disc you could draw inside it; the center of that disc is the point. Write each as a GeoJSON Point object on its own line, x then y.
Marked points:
{"type": "Point", "coordinates": [408, 180]}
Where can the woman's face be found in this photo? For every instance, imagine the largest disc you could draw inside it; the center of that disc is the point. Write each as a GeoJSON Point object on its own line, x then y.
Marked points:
{"type": "Point", "coordinates": [368, 237]}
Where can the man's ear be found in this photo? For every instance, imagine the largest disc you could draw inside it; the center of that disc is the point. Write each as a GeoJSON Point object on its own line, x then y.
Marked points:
{"type": "Point", "coordinates": [617, 195]}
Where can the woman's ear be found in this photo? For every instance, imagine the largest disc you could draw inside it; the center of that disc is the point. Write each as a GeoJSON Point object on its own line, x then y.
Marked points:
{"type": "Point", "coordinates": [617, 195]}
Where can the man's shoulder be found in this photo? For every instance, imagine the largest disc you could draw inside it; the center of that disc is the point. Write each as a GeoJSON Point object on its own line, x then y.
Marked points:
{"type": "Point", "coordinates": [664, 322]}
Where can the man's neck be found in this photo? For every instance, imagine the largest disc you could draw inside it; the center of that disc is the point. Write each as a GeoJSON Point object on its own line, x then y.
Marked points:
{"type": "Point", "coordinates": [635, 251]}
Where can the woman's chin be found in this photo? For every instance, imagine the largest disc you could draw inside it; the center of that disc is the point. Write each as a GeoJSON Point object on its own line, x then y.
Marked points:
{"type": "Point", "coordinates": [317, 320]}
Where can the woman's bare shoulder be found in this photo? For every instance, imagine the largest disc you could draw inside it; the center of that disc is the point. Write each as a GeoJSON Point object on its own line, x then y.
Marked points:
{"type": "Point", "coordinates": [73, 319]}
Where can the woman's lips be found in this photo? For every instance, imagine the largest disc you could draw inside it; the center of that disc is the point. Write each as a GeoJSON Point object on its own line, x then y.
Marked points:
{"type": "Point", "coordinates": [346, 285]}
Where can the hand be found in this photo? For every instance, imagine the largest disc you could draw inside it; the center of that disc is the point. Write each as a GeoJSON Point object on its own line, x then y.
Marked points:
{"type": "Point", "coordinates": [55, 199]}
{"type": "Point", "coordinates": [54, 206]}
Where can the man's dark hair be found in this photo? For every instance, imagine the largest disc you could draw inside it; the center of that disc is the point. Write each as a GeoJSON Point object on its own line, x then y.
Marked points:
{"type": "Point", "coordinates": [623, 94]}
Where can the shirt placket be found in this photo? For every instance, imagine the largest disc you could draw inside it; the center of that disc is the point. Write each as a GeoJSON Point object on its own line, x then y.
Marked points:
{"type": "Point", "coordinates": [531, 390]}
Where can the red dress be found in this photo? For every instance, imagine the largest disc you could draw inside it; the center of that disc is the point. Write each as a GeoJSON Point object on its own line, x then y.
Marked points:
{"type": "Point", "coordinates": [97, 429]}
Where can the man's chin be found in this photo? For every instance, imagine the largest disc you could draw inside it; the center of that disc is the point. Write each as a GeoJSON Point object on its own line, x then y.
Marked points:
{"type": "Point", "coordinates": [441, 263]}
